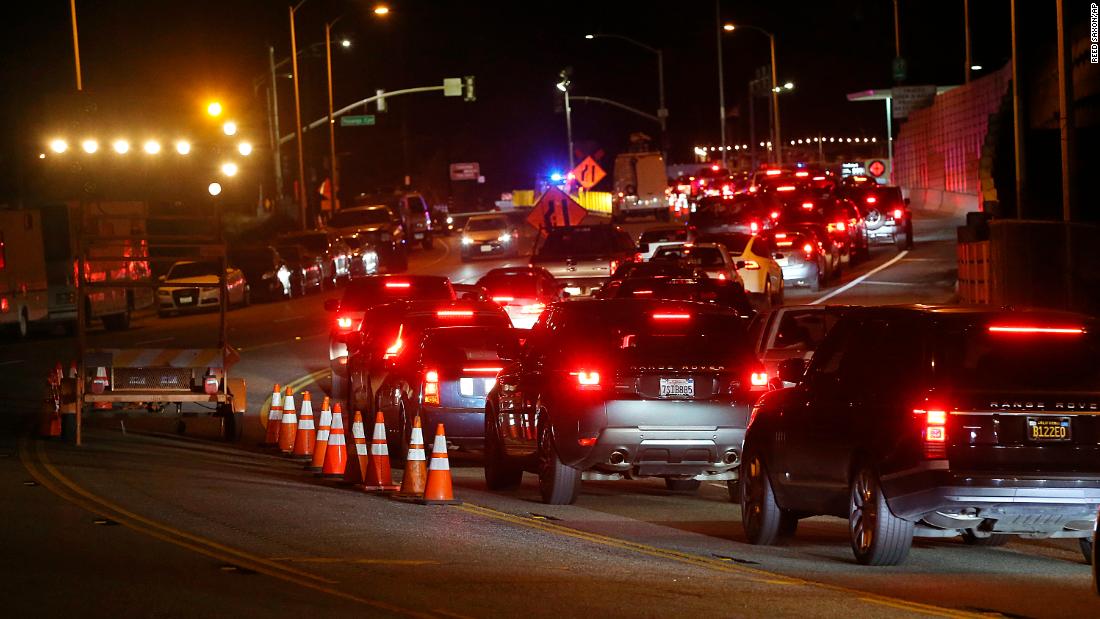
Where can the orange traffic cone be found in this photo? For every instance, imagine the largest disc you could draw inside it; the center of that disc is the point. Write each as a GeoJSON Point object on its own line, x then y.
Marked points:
{"type": "Point", "coordinates": [274, 417]}
{"type": "Point", "coordinates": [324, 426]}
{"type": "Point", "coordinates": [416, 469]}
{"type": "Point", "coordinates": [336, 453]}
{"type": "Point", "coordinates": [307, 432]}
{"type": "Point", "coordinates": [379, 475]}
{"type": "Point", "coordinates": [288, 425]}
{"type": "Point", "coordinates": [438, 490]}
{"type": "Point", "coordinates": [356, 470]}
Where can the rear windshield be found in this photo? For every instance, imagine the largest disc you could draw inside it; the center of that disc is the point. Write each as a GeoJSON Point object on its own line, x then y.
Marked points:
{"type": "Point", "coordinates": [289, 252]}
{"type": "Point", "coordinates": [365, 217]}
{"type": "Point", "coordinates": [569, 242]}
{"type": "Point", "coordinates": [699, 256]}
{"type": "Point", "coordinates": [803, 329]}
{"type": "Point", "coordinates": [193, 269]}
{"type": "Point", "coordinates": [458, 346]}
{"type": "Point", "coordinates": [971, 356]}
{"type": "Point", "coordinates": [653, 269]}
{"type": "Point", "coordinates": [659, 236]}
{"type": "Point", "coordinates": [511, 285]}
{"type": "Point", "coordinates": [489, 223]}
{"type": "Point", "coordinates": [723, 294]}
{"type": "Point", "coordinates": [735, 242]}
{"type": "Point", "coordinates": [366, 293]}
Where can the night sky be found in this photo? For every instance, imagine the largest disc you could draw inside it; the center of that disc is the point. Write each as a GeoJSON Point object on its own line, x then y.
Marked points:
{"type": "Point", "coordinates": [157, 61]}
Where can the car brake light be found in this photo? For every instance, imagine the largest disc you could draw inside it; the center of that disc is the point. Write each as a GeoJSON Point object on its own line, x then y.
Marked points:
{"type": "Point", "coordinates": [751, 265]}
{"type": "Point", "coordinates": [642, 292]}
{"type": "Point", "coordinates": [4, 306]}
{"type": "Point", "coordinates": [753, 189]}
{"type": "Point", "coordinates": [612, 266]}
{"type": "Point", "coordinates": [533, 308]}
{"type": "Point", "coordinates": [714, 168]}
{"type": "Point", "coordinates": [773, 172]}
{"type": "Point", "coordinates": [780, 235]}
{"type": "Point", "coordinates": [754, 227]}
{"type": "Point", "coordinates": [398, 284]}
{"type": "Point", "coordinates": [503, 300]}
{"type": "Point", "coordinates": [839, 226]}
{"type": "Point", "coordinates": [775, 214]}
{"type": "Point", "coordinates": [818, 178]}
{"type": "Point", "coordinates": [801, 174]}
{"type": "Point", "coordinates": [586, 441]}
{"type": "Point", "coordinates": [785, 188]}
{"type": "Point", "coordinates": [344, 322]}
{"type": "Point", "coordinates": [398, 344]}
{"type": "Point", "coordinates": [431, 387]}
{"type": "Point", "coordinates": [784, 243]}
{"type": "Point", "coordinates": [1036, 329]}
{"type": "Point", "coordinates": [493, 370]}
{"type": "Point", "coordinates": [934, 432]}
{"type": "Point", "coordinates": [807, 205]}
{"type": "Point", "coordinates": [670, 316]}
{"type": "Point", "coordinates": [587, 380]}
{"type": "Point", "coordinates": [808, 248]}
{"type": "Point", "coordinates": [455, 313]}
{"type": "Point", "coordinates": [871, 199]}
{"type": "Point", "coordinates": [758, 379]}
{"type": "Point", "coordinates": [898, 214]}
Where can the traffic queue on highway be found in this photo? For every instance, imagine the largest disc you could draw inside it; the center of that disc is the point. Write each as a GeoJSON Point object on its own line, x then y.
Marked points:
{"type": "Point", "coordinates": [675, 358]}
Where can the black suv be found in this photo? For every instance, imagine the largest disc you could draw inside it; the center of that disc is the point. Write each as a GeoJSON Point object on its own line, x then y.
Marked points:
{"type": "Point", "coordinates": [623, 388]}
{"type": "Point", "coordinates": [933, 422]}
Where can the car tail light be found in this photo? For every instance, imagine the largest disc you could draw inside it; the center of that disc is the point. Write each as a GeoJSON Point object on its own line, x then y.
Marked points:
{"type": "Point", "coordinates": [431, 387]}
{"type": "Point", "coordinates": [758, 379]}
{"type": "Point", "coordinates": [1033, 329]}
{"type": "Point", "coordinates": [614, 264]}
{"type": "Point", "coordinates": [503, 300]}
{"type": "Point", "coordinates": [4, 306]}
{"type": "Point", "coordinates": [398, 285]}
{"type": "Point", "coordinates": [773, 172]}
{"type": "Point", "coordinates": [871, 199]}
{"type": "Point", "coordinates": [775, 214]}
{"type": "Point", "coordinates": [671, 316]}
{"type": "Point", "coordinates": [455, 313]}
{"type": "Point", "coordinates": [839, 226]}
{"type": "Point", "coordinates": [808, 248]}
{"type": "Point", "coordinates": [586, 441]}
{"type": "Point", "coordinates": [785, 188]}
{"type": "Point", "coordinates": [639, 293]}
{"type": "Point", "coordinates": [753, 189]}
{"type": "Point", "coordinates": [210, 382]}
{"type": "Point", "coordinates": [898, 214]}
{"type": "Point", "coordinates": [533, 308]}
{"type": "Point", "coordinates": [933, 431]}
{"type": "Point", "coordinates": [714, 168]}
{"type": "Point", "coordinates": [485, 370]}
{"type": "Point", "coordinates": [398, 344]}
{"type": "Point", "coordinates": [807, 205]}
{"type": "Point", "coordinates": [818, 178]}
{"type": "Point", "coordinates": [587, 380]}
{"type": "Point", "coordinates": [344, 322]}
{"type": "Point", "coordinates": [780, 235]}
{"type": "Point", "coordinates": [802, 174]}
{"type": "Point", "coordinates": [751, 265]}
{"type": "Point", "coordinates": [784, 243]}
{"type": "Point", "coordinates": [754, 227]}
{"type": "Point", "coordinates": [639, 257]}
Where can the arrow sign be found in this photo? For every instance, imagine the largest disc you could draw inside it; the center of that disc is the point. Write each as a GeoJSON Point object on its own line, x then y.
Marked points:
{"type": "Point", "coordinates": [588, 173]}
{"type": "Point", "coordinates": [555, 208]}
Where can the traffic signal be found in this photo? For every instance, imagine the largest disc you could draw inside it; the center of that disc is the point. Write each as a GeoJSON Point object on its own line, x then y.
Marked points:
{"type": "Point", "coordinates": [469, 96]}
{"type": "Point", "coordinates": [381, 99]}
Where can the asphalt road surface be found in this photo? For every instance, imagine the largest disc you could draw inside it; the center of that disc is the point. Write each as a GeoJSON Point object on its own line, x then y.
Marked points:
{"type": "Point", "coordinates": [141, 521]}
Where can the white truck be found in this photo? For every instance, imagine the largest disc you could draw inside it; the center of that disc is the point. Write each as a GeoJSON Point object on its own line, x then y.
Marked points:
{"type": "Point", "coordinates": [641, 181]}
{"type": "Point", "coordinates": [38, 267]}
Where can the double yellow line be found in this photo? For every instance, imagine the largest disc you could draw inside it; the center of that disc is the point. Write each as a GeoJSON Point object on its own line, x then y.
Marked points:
{"type": "Point", "coordinates": [294, 386]}
{"type": "Point", "coordinates": [38, 464]}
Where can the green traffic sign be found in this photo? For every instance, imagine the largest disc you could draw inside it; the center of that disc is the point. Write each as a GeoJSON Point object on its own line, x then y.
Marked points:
{"type": "Point", "coordinates": [900, 69]}
{"type": "Point", "coordinates": [357, 121]}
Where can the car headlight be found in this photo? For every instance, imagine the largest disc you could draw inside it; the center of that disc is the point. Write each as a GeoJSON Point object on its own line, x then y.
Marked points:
{"type": "Point", "coordinates": [467, 240]}
{"type": "Point", "coordinates": [450, 219]}
{"type": "Point", "coordinates": [209, 292]}
{"type": "Point", "coordinates": [504, 237]}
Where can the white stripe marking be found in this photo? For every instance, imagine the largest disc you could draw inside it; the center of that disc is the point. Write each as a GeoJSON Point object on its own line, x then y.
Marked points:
{"type": "Point", "coordinates": [361, 449]}
{"type": "Point", "coordinates": [322, 435]}
{"type": "Point", "coordinates": [857, 281]}
{"type": "Point", "coordinates": [159, 339]}
{"type": "Point", "coordinates": [439, 463]}
{"type": "Point", "coordinates": [336, 440]}
{"type": "Point", "coordinates": [306, 424]}
{"type": "Point", "coordinates": [381, 449]}
{"type": "Point", "coordinates": [416, 454]}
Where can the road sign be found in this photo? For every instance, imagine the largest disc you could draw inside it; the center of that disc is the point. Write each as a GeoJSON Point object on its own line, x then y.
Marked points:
{"type": "Point", "coordinates": [357, 121]}
{"type": "Point", "coordinates": [588, 173]}
{"type": "Point", "coordinates": [555, 208]}
{"type": "Point", "coordinates": [899, 68]}
{"type": "Point", "coordinates": [468, 171]}
{"type": "Point", "coordinates": [452, 87]}
{"type": "Point", "coordinates": [908, 99]}
{"type": "Point", "coordinates": [876, 167]}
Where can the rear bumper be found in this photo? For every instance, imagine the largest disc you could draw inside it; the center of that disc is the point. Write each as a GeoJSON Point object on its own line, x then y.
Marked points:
{"type": "Point", "coordinates": [884, 232]}
{"type": "Point", "coordinates": [1039, 504]}
{"type": "Point", "coordinates": [800, 273]}
{"type": "Point", "coordinates": [463, 427]}
{"type": "Point", "coordinates": [584, 285]}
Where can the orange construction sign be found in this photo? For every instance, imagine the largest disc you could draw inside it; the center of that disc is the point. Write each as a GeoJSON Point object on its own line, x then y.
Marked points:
{"type": "Point", "coordinates": [588, 173]}
{"type": "Point", "coordinates": [554, 209]}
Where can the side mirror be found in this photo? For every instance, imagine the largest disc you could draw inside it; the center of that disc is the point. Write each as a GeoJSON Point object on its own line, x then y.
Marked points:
{"type": "Point", "coordinates": [792, 370]}
{"type": "Point", "coordinates": [740, 264]}
{"type": "Point", "coordinates": [332, 305]}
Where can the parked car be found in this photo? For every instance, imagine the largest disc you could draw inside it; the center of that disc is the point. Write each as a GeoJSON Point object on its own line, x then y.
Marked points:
{"type": "Point", "coordinates": [582, 258]}
{"type": "Point", "coordinates": [264, 269]}
{"type": "Point", "coordinates": [378, 226]}
{"type": "Point", "coordinates": [489, 235]}
{"type": "Point", "coordinates": [933, 421]}
{"type": "Point", "coordinates": [193, 286]}
{"type": "Point", "coordinates": [623, 387]}
{"type": "Point", "coordinates": [326, 246]}
{"type": "Point", "coordinates": [307, 269]}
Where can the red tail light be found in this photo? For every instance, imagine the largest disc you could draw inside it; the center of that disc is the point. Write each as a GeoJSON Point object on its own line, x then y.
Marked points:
{"type": "Point", "coordinates": [612, 266]}
{"type": "Point", "coordinates": [642, 292]}
{"type": "Point", "coordinates": [808, 248]}
{"type": "Point", "coordinates": [398, 344]}
{"type": "Point", "coordinates": [754, 227]}
{"type": "Point", "coordinates": [344, 322]}
{"type": "Point", "coordinates": [671, 316]}
{"type": "Point", "coordinates": [431, 387]}
{"type": "Point", "coordinates": [773, 172]}
{"type": "Point", "coordinates": [933, 431]}
{"type": "Point", "coordinates": [839, 226]}
{"type": "Point", "coordinates": [1033, 329]}
{"type": "Point", "coordinates": [899, 214]}
{"type": "Point", "coordinates": [534, 308]}
{"type": "Point", "coordinates": [775, 214]}
{"type": "Point", "coordinates": [503, 300]}
{"type": "Point", "coordinates": [587, 380]}
{"type": "Point", "coordinates": [487, 370]}
{"type": "Point", "coordinates": [818, 178]}
{"type": "Point", "coordinates": [586, 441]}
{"type": "Point", "coordinates": [758, 379]}
{"type": "Point", "coordinates": [714, 168]}
{"type": "Point", "coordinates": [780, 235]}
{"type": "Point", "coordinates": [455, 313]}
{"type": "Point", "coordinates": [785, 188]}
{"type": "Point", "coordinates": [871, 199]}
{"type": "Point", "coordinates": [807, 205]}
{"type": "Point", "coordinates": [398, 284]}
{"type": "Point", "coordinates": [751, 265]}
{"type": "Point", "coordinates": [721, 276]}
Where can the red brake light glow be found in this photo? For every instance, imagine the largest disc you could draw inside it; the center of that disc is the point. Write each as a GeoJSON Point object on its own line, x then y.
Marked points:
{"type": "Point", "coordinates": [486, 370]}
{"type": "Point", "coordinates": [534, 308]}
{"type": "Point", "coordinates": [642, 292]}
{"type": "Point", "coordinates": [714, 168]}
{"type": "Point", "coordinates": [818, 178]}
{"type": "Point", "coordinates": [802, 174]}
{"type": "Point", "coordinates": [431, 387]}
{"type": "Point", "coordinates": [808, 248]}
{"type": "Point", "coordinates": [671, 316]}
{"type": "Point", "coordinates": [934, 432]}
{"type": "Point", "coordinates": [503, 300]}
{"type": "Point", "coordinates": [587, 441]}
{"type": "Point", "coordinates": [1036, 329]}
{"type": "Point", "coordinates": [587, 380]}
{"type": "Point", "coordinates": [398, 284]}
{"type": "Point", "coordinates": [773, 172]}
{"type": "Point", "coordinates": [754, 227]}
{"type": "Point", "coordinates": [898, 214]}
{"type": "Point", "coordinates": [780, 235]}
{"type": "Point", "coordinates": [759, 379]}
{"type": "Point", "coordinates": [721, 276]}
{"type": "Point", "coordinates": [398, 344]}
{"type": "Point", "coordinates": [455, 313]}
{"type": "Point", "coordinates": [614, 265]}
{"type": "Point", "coordinates": [775, 214]}
{"type": "Point", "coordinates": [807, 205]}
{"type": "Point", "coordinates": [871, 199]}
{"type": "Point", "coordinates": [344, 322]}
{"type": "Point", "coordinates": [785, 188]}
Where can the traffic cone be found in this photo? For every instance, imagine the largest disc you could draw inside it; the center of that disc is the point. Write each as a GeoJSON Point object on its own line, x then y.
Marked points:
{"type": "Point", "coordinates": [416, 469]}
{"type": "Point", "coordinates": [379, 475]}
{"type": "Point", "coordinates": [288, 424]}
{"type": "Point", "coordinates": [438, 490]}
{"type": "Point", "coordinates": [274, 417]}
{"type": "Point", "coordinates": [50, 422]}
{"type": "Point", "coordinates": [54, 377]}
{"type": "Point", "coordinates": [324, 426]}
{"type": "Point", "coordinates": [307, 432]}
{"type": "Point", "coordinates": [100, 382]}
{"type": "Point", "coordinates": [356, 470]}
{"type": "Point", "coordinates": [336, 453]}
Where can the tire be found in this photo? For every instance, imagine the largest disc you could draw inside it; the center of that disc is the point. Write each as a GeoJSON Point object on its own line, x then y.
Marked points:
{"type": "Point", "coordinates": [995, 539]}
{"type": "Point", "coordinates": [246, 300]}
{"type": "Point", "coordinates": [780, 296]}
{"type": "Point", "coordinates": [878, 537]}
{"type": "Point", "coordinates": [559, 484]}
{"type": "Point", "coordinates": [117, 322]}
{"type": "Point", "coordinates": [1086, 546]}
{"type": "Point", "coordinates": [500, 474]}
{"type": "Point", "coordinates": [899, 241]}
{"type": "Point", "coordinates": [761, 517]}
{"type": "Point", "coordinates": [682, 486]}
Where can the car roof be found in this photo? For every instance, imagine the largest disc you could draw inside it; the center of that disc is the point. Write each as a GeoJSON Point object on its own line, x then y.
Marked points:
{"type": "Point", "coordinates": [524, 270]}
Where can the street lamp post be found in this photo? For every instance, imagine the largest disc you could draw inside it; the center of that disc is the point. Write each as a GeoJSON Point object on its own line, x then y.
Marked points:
{"type": "Point", "coordinates": [721, 80]}
{"type": "Point", "coordinates": [662, 111]}
{"type": "Point", "coordinates": [302, 201]}
{"type": "Point", "coordinates": [334, 176]}
{"type": "Point", "coordinates": [563, 86]}
{"type": "Point", "coordinates": [775, 88]}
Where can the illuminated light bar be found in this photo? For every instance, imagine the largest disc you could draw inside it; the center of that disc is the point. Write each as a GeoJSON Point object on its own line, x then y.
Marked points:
{"type": "Point", "coordinates": [1036, 329]}
{"type": "Point", "coordinates": [759, 379]}
{"type": "Point", "coordinates": [808, 248]}
{"type": "Point", "coordinates": [455, 313]}
{"type": "Point", "coordinates": [784, 243]}
{"type": "Point", "coordinates": [669, 316]}
{"type": "Point", "coordinates": [871, 199]}
{"type": "Point", "coordinates": [773, 172]}
{"type": "Point", "coordinates": [780, 235]}
{"type": "Point", "coordinates": [775, 214]}
{"type": "Point", "coordinates": [398, 284]}
{"type": "Point", "coordinates": [344, 322]}
{"type": "Point", "coordinates": [802, 174]}
{"type": "Point", "coordinates": [807, 205]}
{"type": "Point", "coordinates": [489, 370]}
{"type": "Point", "coordinates": [818, 178]}
{"type": "Point", "coordinates": [503, 300]}
{"type": "Point", "coordinates": [587, 379]}
{"type": "Point", "coordinates": [785, 188]}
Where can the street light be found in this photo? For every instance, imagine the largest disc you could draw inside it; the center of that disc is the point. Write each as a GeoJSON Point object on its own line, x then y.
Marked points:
{"type": "Point", "coordinates": [151, 147]}
{"type": "Point", "coordinates": [775, 91]}
{"type": "Point", "coordinates": [662, 111]}
{"type": "Point", "coordinates": [381, 10]}
{"type": "Point", "coordinates": [214, 188]}
{"type": "Point", "coordinates": [89, 146]}
{"type": "Point", "coordinates": [563, 85]}
{"type": "Point", "coordinates": [183, 147]}
{"type": "Point", "coordinates": [345, 43]}
{"type": "Point", "coordinates": [230, 169]}
{"type": "Point", "coordinates": [214, 109]}
{"type": "Point", "coordinates": [244, 148]}
{"type": "Point", "coordinates": [58, 145]}
{"type": "Point", "coordinates": [121, 147]}
{"type": "Point", "coordinates": [229, 128]}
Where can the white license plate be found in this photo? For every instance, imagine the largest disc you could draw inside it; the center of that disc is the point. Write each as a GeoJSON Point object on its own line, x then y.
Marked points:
{"type": "Point", "coordinates": [781, 261]}
{"type": "Point", "coordinates": [418, 235]}
{"type": "Point", "coordinates": [486, 248]}
{"type": "Point", "coordinates": [678, 387]}
{"type": "Point", "coordinates": [187, 299]}
{"type": "Point", "coordinates": [573, 290]}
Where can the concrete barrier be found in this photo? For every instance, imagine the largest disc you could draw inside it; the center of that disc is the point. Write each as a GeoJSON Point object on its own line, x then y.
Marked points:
{"type": "Point", "coordinates": [939, 201]}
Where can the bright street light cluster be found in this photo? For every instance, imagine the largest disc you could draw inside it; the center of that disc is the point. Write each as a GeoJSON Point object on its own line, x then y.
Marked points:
{"type": "Point", "coordinates": [120, 146]}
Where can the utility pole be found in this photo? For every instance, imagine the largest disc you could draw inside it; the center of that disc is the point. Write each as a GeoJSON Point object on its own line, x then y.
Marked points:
{"type": "Point", "coordinates": [76, 46]}
{"type": "Point", "coordinates": [1017, 121]}
{"type": "Point", "coordinates": [334, 174]}
{"type": "Point", "coordinates": [301, 193]}
{"type": "Point", "coordinates": [569, 128]}
{"type": "Point", "coordinates": [775, 105]}
{"type": "Point", "coordinates": [276, 152]}
{"type": "Point", "coordinates": [721, 83]}
{"type": "Point", "coordinates": [966, 26]}
{"type": "Point", "coordinates": [1066, 115]}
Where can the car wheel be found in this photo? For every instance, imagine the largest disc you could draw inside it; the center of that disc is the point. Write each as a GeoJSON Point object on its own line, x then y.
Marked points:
{"type": "Point", "coordinates": [899, 241]}
{"type": "Point", "coordinates": [1085, 543]}
{"type": "Point", "coordinates": [247, 299]}
{"type": "Point", "coordinates": [878, 537]}
{"type": "Point", "coordinates": [683, 486]}
{"type": "Point", "coordinates": [500, 474]}
{"type": "Point", "coordinates": [558, 482]}
{"type": "Point", "coordinates": [994, 539]}
{"type": "Point", "coordinates": [761, 516]}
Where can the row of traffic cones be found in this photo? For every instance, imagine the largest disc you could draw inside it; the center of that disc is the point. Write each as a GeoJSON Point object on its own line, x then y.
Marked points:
{"type": "Point", "coordinates": [325, 448]}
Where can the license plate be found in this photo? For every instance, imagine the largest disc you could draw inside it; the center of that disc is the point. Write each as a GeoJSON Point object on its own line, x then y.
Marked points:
{"type": "Point", "coordinates": [573, 290]}
{"type": "Point", "coordinates": [678, 387]}
{"type": "Point", "coordinates": [486, 248]}
{"type": "Point", "coordinates": [418, 235]}
{"type": "Point", "coordinates": [187, 299]}
{"type": "Point", "coordinates": [1049, 429]}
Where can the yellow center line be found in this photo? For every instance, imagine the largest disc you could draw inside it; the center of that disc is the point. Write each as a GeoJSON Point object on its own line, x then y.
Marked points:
{"type": "Point", "coordinates": [353, 560]}
{"type": "Point", "coordinates": [719, 565]}
{"type": "Point", "coordinates": [49, 476]}
{"type": "Point", "coordinates": [294, 385]}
